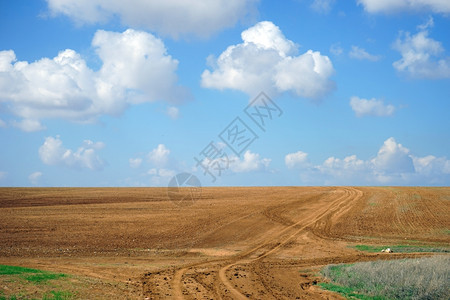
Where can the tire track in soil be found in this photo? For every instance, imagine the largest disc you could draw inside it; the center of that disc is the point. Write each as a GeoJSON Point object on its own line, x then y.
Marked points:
{"type": "Point", "coordinates": [348, 192]}
{"type": "Point", "coordinates": [178, 276]}
{"type": "Point", "coordinates": [319, 224]}
{"type": "Point", "coordinates": [177, 283]}
{"type": "Point", "coordinates": [243, 257]}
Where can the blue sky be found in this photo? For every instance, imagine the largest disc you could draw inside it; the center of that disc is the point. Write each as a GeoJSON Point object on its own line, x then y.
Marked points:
{"type": "Point", "coordinates": [102, 93]}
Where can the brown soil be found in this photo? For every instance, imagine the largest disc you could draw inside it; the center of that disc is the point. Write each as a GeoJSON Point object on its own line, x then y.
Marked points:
{"type": "Point", "coordinates": [233, 243]}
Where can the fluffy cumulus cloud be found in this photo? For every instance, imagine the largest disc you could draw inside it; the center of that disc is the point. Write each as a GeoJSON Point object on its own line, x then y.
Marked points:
{"type": "Point", "coordinates": [158, 165]}
{"type": "Point", "coordinates": [135, 68]}
{"type": "Point", "coordinates": [168, 17]}
{"type": "Point", "coordinates": [372, 107]}
{"type": "Point", "coordinates": [53, 152]}
{"type": "Point", "coordinates": [250, 162]}
{"type": "Point", "coordinates": [393, 158]}
{"type": "Point", "coordinates": [393, 6]}
{"type": "Point", "coordinates": [337, 170]}
{"type": "Point", "coordinates": [422, 56]}
{"type": "Point", "coordinates": [431, 165]}
{"type": "Point", "coordinates": [266, 61]}
{"type": "Point", "coordinates": [293, 160]}
{"type": "Point", "coordinates": [362, 54]}
{"type": "Point", "coordinates": [34, 177]}
{"type": "Point", "coordinates": [393, 164]}
{"type": "Point", "coordinates": [159, 156]}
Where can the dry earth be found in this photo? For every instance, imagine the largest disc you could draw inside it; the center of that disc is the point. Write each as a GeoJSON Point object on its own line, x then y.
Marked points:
{"type": "Point", "coordinates": [233, 243]}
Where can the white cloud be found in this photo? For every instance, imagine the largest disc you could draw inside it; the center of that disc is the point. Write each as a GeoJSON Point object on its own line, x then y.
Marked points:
{"type": "Point", "coordinates": [52, 152]}
{"type": "Point", "coordinates": [266, 61]}
{"type": "Point", "coordinates": [249, 162]}
{"type": "Point", "coordinates": [373, 107]}
{"type": "Point", "coordinates": [393, 158]}
{"type": "Point", "coordinates": [322, 6]}
{"type": "Point", "coordinates": [135, 68]}
{"type": "Point", "coordinates": [428, 24]}
{"type": "Point", "coordinates": [361, 54]}
{"type": "Point", "coordinates": [159, 156]}
{"type": "Point", "coordinates": [166, 173]}
{"type": "Point", "coordinates": [162, 168]}
{"type": "Point", "coordinates": [160, 177]}
{"type": "Point", "coordinates": [293, 160]}
{"type": "Point", "coordinates": [162, 172]}
{"type": "Point", "coordinates": [422, 57]}
{"type": "Point", "coordinates": [393, 164]}
{"type": "Point", "coordinates": [393, 6]}
{"type": "Point", "coordinates": [34, 177]}
{"type": "Point", "coordinates": [135, 162]}
{"type": "Point", "coordinates": [2, 124]}
{"type": "Point", "coordinates": [168, 17]}
{"type": "Point", "coordinates": [29, 125]}
{"type": "Point", "coordinates": [350, 162]}
{"type": "Point", "coordinates": [3, 175]}
{"type": "Point", "coordinates": [431, 166]}
{"type": "Point", "coordinates": [349, 168]}
{"type": "Point", "coordinates": [336, 49]}
{"type": "Point", "coordinates": [173, 112]}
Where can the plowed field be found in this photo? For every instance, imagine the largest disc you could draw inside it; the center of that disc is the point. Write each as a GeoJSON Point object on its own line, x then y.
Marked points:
{"type": "Point", "coordinates": [233, 243]}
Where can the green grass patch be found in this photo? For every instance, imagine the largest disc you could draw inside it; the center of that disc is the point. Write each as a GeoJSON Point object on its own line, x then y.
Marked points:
{"type": "Point", "coordinates": [11, 297]}
{"type": "Point", "coordinates": [347, 292]}
{"type": "Point", "coordinates": [58, 295]}
{"type": "Point", "coordinates": [25, 282]}
{"type": "Point", "coordinates": [52, 295]}
{"type": "Point", "coordinates": [423, 278]}
{"type": "Point", "coordinates": [369, 248]}
{"type": "Point", "coordinates": [44, 277]}
{"type": "Point", "coordinates": [403, 248]}
{"type": "Point", "coordinates": [31, 275]}
{"type": "Point", "coordinates": [13, 270]}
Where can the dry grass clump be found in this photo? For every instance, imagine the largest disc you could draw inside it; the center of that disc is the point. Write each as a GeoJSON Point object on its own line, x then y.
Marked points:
{"type": "Point", "coordinates": [423, 278]}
